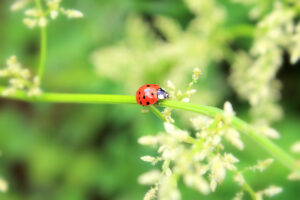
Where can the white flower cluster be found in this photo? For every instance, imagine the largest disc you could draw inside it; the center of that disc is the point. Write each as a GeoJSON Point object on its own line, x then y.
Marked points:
{"type": "Point", "coordinates": [179, 96]}
{"type": "Point", "coordinates": [185, 97]}
{"type": "Point", "coordinates": [37, 16]}
{"type": "Point", "coordinates": [200, 160]}
{"type": "Point", "coordinates": [260, 166]}
{"type": "Point", "coordinates": [254, 74]}
{"type": "Point", "coordinates": [19, 78]}
{"type": "Point", "coordinates": [144, 53]}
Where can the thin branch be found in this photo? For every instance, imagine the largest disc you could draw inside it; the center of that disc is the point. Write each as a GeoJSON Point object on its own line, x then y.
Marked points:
{"type": "Point", "coordinates": [43, 44]}
{"type": "Point", "coordinates": [277, 152]}
{"type": "Point", "coordinates": [156, 112]}
{"type": "Point", "coordinates": [285, 159]}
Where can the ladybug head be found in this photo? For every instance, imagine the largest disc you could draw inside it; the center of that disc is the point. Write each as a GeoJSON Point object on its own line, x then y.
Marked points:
{"type": "Point", "coordinates": [162, 94]}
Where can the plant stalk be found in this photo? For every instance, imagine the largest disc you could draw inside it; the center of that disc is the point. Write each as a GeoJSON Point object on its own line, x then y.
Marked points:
{"type": "Point", "coordinates": [156, 112]}
{"type": "Point", "coordinates": [277, 152]}
{"type": "Point", "coordinates": [43, 45]}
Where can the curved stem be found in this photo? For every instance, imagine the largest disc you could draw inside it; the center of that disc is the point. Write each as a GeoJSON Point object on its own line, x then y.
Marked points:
{"type": "Point", "coordinates": [282, 156]}
{"type": "Point", "coordinates": [246, 187]}
{"type": "Point", "coordinates": [73, 98]}
{"type": "Point", "coordinates": [43, 44]}
{"type": "Point", "coordinates": [249, 189]}
{"type": "Point", "coordinates": [43, 49]}
{"type": "Point", "coordinates": [156, 112]}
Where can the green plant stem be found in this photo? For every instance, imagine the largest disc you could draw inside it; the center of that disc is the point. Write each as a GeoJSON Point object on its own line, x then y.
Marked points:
{"type": "Point", "coordinates": [43, 45]}
{"type": "Point", "coordinates": [156, 112]}
{"type": "Point", "coordinates": [282, 156]}
{"type": "Point", "coordinates": [242, 126]}
{"type": "Point", "coordinates": [246, 187]}
{"type": "Point", "coordinates": [73, 98]}
{"type": "Point", "coordinates": [249, 189]}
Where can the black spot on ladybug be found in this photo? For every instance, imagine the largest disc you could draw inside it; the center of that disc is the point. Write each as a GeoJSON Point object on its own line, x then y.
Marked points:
{"type": "Point", "coordinates": [152, 94]}
{"type": "Point", "coordinates": [148, 85]}
{"type": "Point", "coordinates": [141, 102]}
{"type": "Point", "coordinates": [139, 92]}
{"type": "Point", "coordinates": [144, 97]}
{"type": "Point", "coordinates": [148, 103]}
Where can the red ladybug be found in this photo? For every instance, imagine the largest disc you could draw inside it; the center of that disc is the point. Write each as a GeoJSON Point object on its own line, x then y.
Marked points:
{"type": "Point", "coordinates": [150, 94]}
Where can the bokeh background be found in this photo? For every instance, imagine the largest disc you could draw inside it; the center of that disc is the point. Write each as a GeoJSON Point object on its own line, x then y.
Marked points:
{"type": "Point", "coordinates": [90, 152]}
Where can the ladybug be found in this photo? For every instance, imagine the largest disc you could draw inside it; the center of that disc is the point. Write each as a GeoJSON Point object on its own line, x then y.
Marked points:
{"type": "Point", "coordinates": [150, 94]}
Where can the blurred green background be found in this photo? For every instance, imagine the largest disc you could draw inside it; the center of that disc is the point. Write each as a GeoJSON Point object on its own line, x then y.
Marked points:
{"type": "Point", "coordinates": [90, 152]}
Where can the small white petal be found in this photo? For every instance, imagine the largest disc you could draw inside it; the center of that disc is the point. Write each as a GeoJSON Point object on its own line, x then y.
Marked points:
{"type": "Point", "coordinates": [228, 108]}
{"type": "Point", "coordinates": [149, 178]}
{"type": "Point", "coordinates": [262, 165]}
{"type": "Point", "coordinates": [239, 196]}
{"type": "Point", "coordinates": [271, 133]}
{"type": "Point", "coordinates": [228, 112]}
{"type": "Point", "coordinates": [169, 154]}
{"type": "Point", "coordinates": [168, 172]}
{"type": "Point", "coordinates": [171, 85]}
{"type": "Point", "coordinates": [192, 91]}
{"type": "Point", "coordinates": [294, 176]}
{"type": "Point", "coordinates": [197, 182]}
{"type": "Point", "coordinates": [229, 161]}
{"type": "Point", "coordinates": [296, 147]}
{"type": "Point", "coordinates": [4, 73]}
{"type": "Point", "coordinates": [233, 137]}
{"type": "Point", "coordinates": [239, 179]}
{"type": "Point", "coordinates": [32, 12]}
{"type": "Point", "coordinates": [3, 185]}
{"type": "Point", "coordinates": [169, 127]}
{"type": "Point", "coordinates": [148, 140]}
{"type": "Point", "coordinates": [18, 4]}
{"type": "Point", "coordinates": [213, 185]}
{"type": "Point", "coordinates": [43, 22]}
{"type": "Point", "coordinates": [30, 23]}
{"type": "Point", "coordinates": [71, 13]}
{"type": "Point", "coordinates": [150, 195]}
{"type": "Point", "coordinates": [218, 171]}
{"type": "Point", "coordinates": [186, 100]}
{"type": "Point", "coordinates": [196, 73]}
{"type": "Point", "coordinates": [272, 191]}
{"type": "Point", "coordinates": [53, 14]}
{"type": "Point", "coordinates": [25, 73]}
{"type": "Point", "coordinates": [148, 159]}
{"type": "Point", "coordinates": [35, 91]}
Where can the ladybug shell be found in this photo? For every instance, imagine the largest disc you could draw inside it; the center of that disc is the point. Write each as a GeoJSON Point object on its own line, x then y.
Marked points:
{"type": "Point", "coordinates": [147, 94]}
